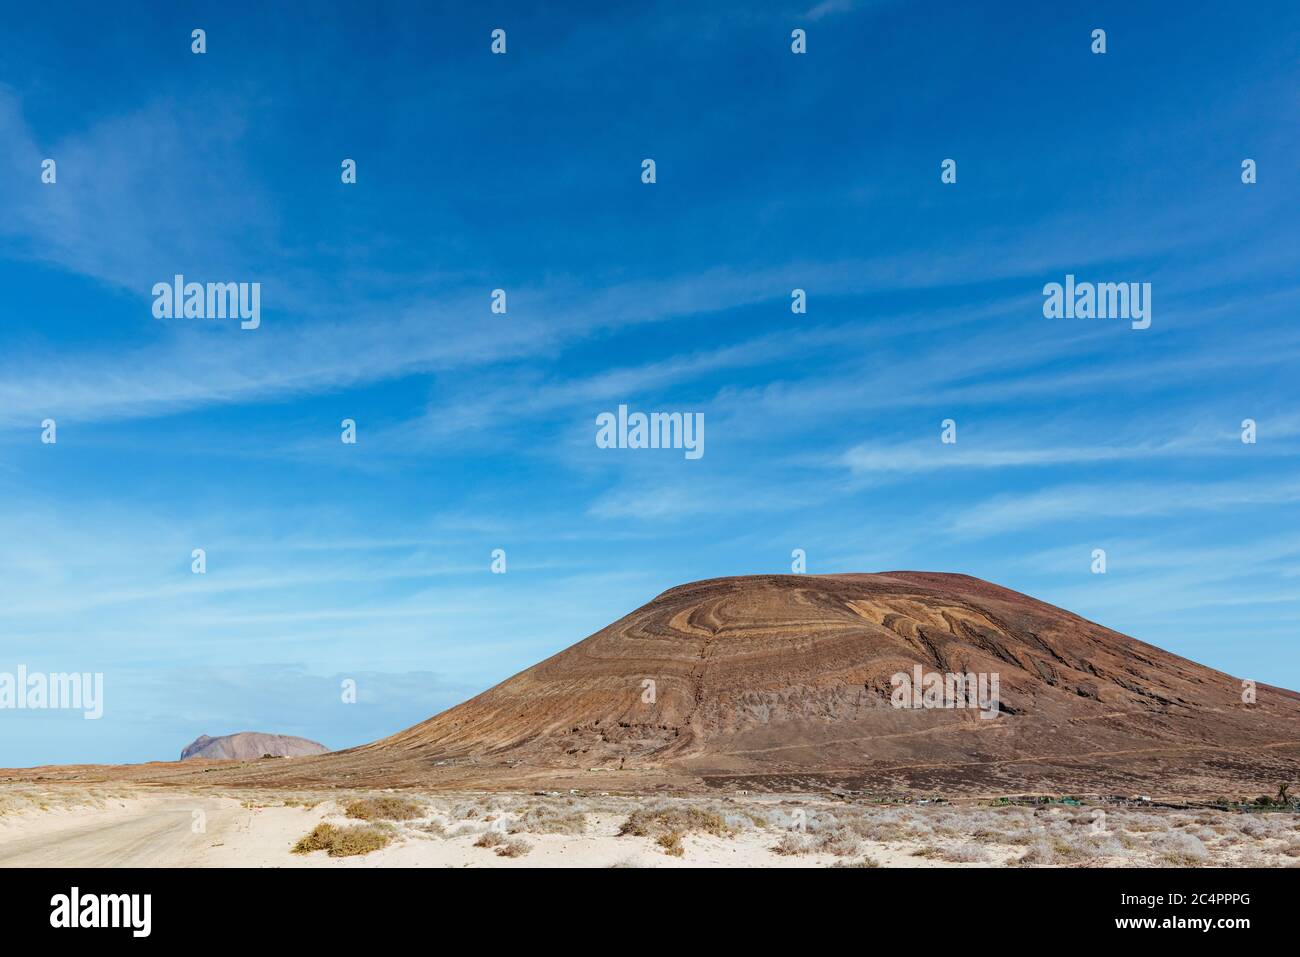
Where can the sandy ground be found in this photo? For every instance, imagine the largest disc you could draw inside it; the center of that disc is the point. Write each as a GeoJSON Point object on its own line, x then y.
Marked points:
{"type": "Point", "coordinates": [115, 827]}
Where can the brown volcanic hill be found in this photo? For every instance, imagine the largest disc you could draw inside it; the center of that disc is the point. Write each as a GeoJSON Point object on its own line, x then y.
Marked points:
{"type": "Point", "coordinates": [768, 680]}
{"type": "Point", "coordinates": [783, 682]}
{"type": "Point", "coordinates": [249, 746]}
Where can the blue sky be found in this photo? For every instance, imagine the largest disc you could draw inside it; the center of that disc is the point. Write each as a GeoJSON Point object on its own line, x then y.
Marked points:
{"type": "Point", "coordinates": [476, 431]}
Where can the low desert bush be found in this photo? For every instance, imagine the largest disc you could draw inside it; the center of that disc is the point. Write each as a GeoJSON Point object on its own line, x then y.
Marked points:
{"type": "Point", "coordinates": [1144, 823]}
{"type": "Point", "coordinates": [463, 828]}
{"type": "Point", "coordinates": [744, 820]}
{"type": "Point", "coordinates": [839, 841]}
{"type": "Point", "coordinates": [545, 820]}
{"type": "Point", "coordinates": [1040, 854]}
{"type": "Point", "coordinates": [514, 848]}
{"type": "Point", "coordinates": [683, 818]}
{"type": "Point", "coordinates": [917, 831]}
{"type": "Point", "coordinates": [963, 853]}
{"type": "Point", "coordinates": [344, 841]}
{"type": "Point", "coordinates": [383, 809]}
{"type": "Point", "coordinates": [793, 843]}
{"type": "Point", "coordinates": [1261, 826]}
{"type": "Point", "coordinates": [490, 839]}
{"type": "Point", "coordinates": [953, 853]}
{"type": "Point", "coordinates": [882, 832]}
{"type": "Point", "coordinates": [466, 811]}
{"type": "Point", "coordinates": [1181, 849]}
{"type": "Point", "coordinates": [671, 843]}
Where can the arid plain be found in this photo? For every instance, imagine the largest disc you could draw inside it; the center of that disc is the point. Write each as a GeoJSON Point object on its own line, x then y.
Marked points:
{"type": "Point", "coordinates": [134, 825]}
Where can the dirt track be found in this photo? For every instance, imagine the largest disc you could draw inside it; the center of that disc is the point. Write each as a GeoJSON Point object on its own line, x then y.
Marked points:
{"type": "Point", "coordinates": [151, 833]}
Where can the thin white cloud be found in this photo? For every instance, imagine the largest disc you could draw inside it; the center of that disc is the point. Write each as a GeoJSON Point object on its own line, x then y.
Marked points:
{"type": "Point", "coordinates": [828, 8]}
{"type": "Point", "coordinates": [931, 455]}
{"type": "Point", "coordinates": [1004, 513]}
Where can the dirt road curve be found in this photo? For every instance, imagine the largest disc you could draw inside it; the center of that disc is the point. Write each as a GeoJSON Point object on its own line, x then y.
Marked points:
{"type": "Point", "coordinates": [159, 834]}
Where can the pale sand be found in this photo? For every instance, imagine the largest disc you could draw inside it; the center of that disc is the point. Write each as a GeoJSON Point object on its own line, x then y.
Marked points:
{"type": "Point", "coordinates": [98, 827]}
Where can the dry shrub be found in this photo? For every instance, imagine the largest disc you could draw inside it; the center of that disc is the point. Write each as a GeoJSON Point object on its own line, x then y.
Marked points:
{"type": "Point", "coordinates": [1181, 849]}
{"type": "Point", "coordinates": [514, 848]}
{"type": "Point", "coordinates": [383, 809]}
{"type": "Point", "coordinates": [1074, 846]}
{"type": "Point", "coordinates": [1253, 858]}
{"type": "Point", "coordinates": [963, 853]}
{"type": "Point", "coordinates": [1108, 845]}
{"type": "Point", "coordinates": [1126, 839]}
{"type": "Point", "coordinates": [490, 839]}
{"type": "Point", "coordinates": [839, 841]}
{"type": "Point", "coordinates": [344, 841]}
{"type": "Point", "coordinates": [858, 824]}
{"type": "Point", "coordinates": [463, 828]}
{"type": "Point", "coordinates": [865, 862]}
{"type": "Point", "coordinates": [882, 832]}
{"type": "Point", "coordinates": [1261, 827]}
{"type": "Point", "coordinates": [1017, 838]}
{"type": "Point", "coordinates": [1040, 854]}
{"type": "Point", "coordinates": [953, 853]}
{"type": "Point", "coordinates": [792, 843]}
{"type": "Point", "coordinates": [544, 820]}
{"type": "Point", "coordinates": [742, 820]}
{"type": "Point", "coordinates": [684, 819]}
{"type": "Point", "coordinates": [466, 811]}
{"type": "Point", "coordinates": [1142, 823]}
{"type": "Point", "coordinates": [671, 843]}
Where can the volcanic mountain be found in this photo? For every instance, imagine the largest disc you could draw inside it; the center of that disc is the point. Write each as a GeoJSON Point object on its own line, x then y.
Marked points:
{"type": "Point", "coordinates": [787, 682]}
{"type": "Point", "coordinates": [250, 745]}
{"type": "Point", "coordinates": [777, 681]}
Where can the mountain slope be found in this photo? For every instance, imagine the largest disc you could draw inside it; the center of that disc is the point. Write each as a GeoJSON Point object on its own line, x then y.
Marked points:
{"type": "Point", "coordinates": [785, 676]}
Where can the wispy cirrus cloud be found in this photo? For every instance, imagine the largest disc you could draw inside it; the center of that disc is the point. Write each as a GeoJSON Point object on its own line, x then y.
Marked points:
{"type": "Point", "coordinates": [1067, 503]}
{"type": "Point", "coordinates": [1205, 440]}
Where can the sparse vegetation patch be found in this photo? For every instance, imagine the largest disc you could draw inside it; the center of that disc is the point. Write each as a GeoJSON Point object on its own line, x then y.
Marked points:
{"type": "Point", "coordinates": [344, 841]}
{"type": "Point", "coordinates": [383, 809]}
